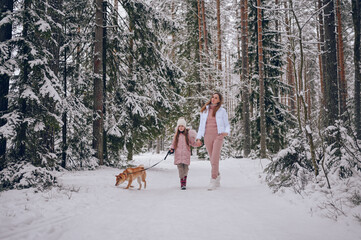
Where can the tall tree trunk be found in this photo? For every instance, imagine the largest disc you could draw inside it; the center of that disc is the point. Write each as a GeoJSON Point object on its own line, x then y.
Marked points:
{"type": "Point", "coordinates": [129, 141]}
{"type": "Point", "coordinates": [307, 127]}
{"type": "Point", "coordinates": [205, 39]}
{"type": "Point", "coordinates": [5, 35]}
{"type": "Point", "coordinates": [277, 22]}
{"type": "Point", "coordinates": [332, 109]}
{"type": "Point", "coordinates": [219, 41]}
{"type": "Point", "coordinates": [323, 115]}
{"type": "Point", "coordinates": [244, 79]}
{"type": "Point", "coordinates": [356, 17]}
{"type": "Point", "coordinates": [341, 61]}
{"type": "Point", "coordinates": [261, 82]}
{"type": "Point", "coordinates": [173, 33]}
{"type": "Point", "coordinates": [158, 145]}
{"type": "Point", "coordinates": [64, 117]}
{"type": "Point", "coordinates": [104, 63]}
{"type": "Point", "coordinates": [289, 71]}
{"type": "Point", "coordinates": [98, 121]}
{"type": "Point", "coordinates": [205, 33]}
{"type": "Point", "coordinates": [199, 16]}
{"type": "Point", "coordinates": [320, 53]}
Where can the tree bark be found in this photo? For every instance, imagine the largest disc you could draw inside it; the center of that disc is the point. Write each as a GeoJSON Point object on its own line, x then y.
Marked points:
{"type": "Point", "coordinates": [332, 107]}
{"type": "Point", "coordinates": [341, 61]}
{"type": "Point", "coordinates": [104, 66]}
{"type": "Point", "coordinates": [307, 127]}
{"type": "Point", "coordinates": [289, 71]}
{"type": "Point", "coordinates": [98, 121]}
{"type": "Point", "coordinates": [200, 30]}
{"type": "Point", "coordinates": [320, 40]}
{"type": "Point", "coordinates": [64, 117]}
{"type": "Point", "coordinates": [244, 79]}
{"type": "Point", "coordinates": [5, 35]}
{"type": "Point", "coordinates": [356, 18]}
{"type": "Point", "coordinates": [261, 82]}
{"type": "Point", "coordinates": [219, 41]}
{"type": "Point", "coordinates": [205, 34]}
{"type": "Point", "coordinates": [173, 33]}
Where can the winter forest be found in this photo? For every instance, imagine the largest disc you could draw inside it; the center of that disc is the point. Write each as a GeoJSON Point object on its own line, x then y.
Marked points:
{"type": "Point", "coordinates": [85, 84]}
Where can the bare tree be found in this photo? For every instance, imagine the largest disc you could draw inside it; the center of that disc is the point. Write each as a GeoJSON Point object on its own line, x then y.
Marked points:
{"type": "Point", "coordinates": [244, 79]}
{"type": "Point", "coordinates": [356, 18]}
{"type": "Point", "coordinates": [301, 99]}
{"type": "Point", "coordinates": [98, 121]}
{"type": "Point", "coordinates": [261, 81]}
{"type": "Point", "coordinates": [289, 71]}
{"type": "Point", "coordinates": [205, 33]}
{"type": "Point", "coordinates": [320, 38]}
{"type": "Point", "coordinates": [341, 61]}
{"type": "Point", "coordinates": [219, 41]}
{"type": "Point", "coordinates": [330, 71]}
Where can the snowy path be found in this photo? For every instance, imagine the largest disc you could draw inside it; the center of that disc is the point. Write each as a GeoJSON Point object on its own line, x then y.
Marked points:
{"type": "Point", "coordinates": [243, 208]}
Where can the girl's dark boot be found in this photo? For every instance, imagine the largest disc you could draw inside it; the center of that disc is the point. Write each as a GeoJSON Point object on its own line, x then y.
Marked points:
{"type": "Point", "coordinates": [184, 186]}
{"type": "Point", "coordinates": [183, 183]}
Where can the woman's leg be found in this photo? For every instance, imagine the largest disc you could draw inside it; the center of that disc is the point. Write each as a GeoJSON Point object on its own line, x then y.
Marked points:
{"type": "Point", "coordinates": [208, 141]}
{"type": "Point", "coordinates": [216, 154]}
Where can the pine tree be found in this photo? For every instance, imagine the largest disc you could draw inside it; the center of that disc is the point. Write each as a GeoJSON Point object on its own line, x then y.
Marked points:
{"type": "Point", "coordinates": [277, 119]}
{"type": "Point", "coordinates": [36, 89]}
{"type": "Point", "coordinates": [144, 86]}
{"type": "Point", "coordinates": [356, 17]}
{"type": "Point", "coordinates": [6, 8]}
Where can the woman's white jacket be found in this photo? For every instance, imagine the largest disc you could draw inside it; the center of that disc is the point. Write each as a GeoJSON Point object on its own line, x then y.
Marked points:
{"type": "Point", "coordinates": [221, 119]}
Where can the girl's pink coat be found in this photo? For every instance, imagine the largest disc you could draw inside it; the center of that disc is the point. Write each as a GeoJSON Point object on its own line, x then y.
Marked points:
{"type": "Point", "coordinates": [182, 153]}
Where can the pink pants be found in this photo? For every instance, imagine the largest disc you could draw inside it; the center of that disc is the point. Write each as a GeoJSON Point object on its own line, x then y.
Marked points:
{"type": "Point", "coordinates": [214, 144]}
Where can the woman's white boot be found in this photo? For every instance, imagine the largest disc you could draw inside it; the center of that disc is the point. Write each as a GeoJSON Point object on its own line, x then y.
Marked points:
{"type": "Point", "coordinates": [218, 181]}
{"type": "Point", "coordinates": [212, 184]}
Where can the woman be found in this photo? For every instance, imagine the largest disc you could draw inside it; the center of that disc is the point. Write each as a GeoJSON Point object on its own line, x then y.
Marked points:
{"type": "Point", "coordinates": [214, 126]}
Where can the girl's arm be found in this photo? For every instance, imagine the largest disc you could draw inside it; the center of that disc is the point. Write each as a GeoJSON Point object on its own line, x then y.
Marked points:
{"type": "Point", "coordinates": [172, 146]}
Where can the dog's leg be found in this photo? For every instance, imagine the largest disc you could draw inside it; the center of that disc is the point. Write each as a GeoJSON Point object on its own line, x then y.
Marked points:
{"type": "Point", "coordinates": [129, 182]}
{"type": "Point", "coordinates": [143, 179]}
{"type": "Point", "coordinates": [139, 182]}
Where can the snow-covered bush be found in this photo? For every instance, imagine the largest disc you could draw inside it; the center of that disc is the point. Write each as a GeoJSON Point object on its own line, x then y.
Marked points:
{"type": "Point", "coordinates": [292, 166]}
{"type": "Point", "coordinates": [25, 175]}
{"type": "Point", "coordinates": [343, 157]}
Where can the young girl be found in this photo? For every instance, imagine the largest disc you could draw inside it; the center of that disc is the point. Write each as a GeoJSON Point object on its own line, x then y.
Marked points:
{"type": "Point", "coordinates": [182, 140]}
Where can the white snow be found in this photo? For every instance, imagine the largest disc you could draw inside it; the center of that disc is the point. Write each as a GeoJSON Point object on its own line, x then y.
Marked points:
{"type": "Point", "coordinates": [89, 206]}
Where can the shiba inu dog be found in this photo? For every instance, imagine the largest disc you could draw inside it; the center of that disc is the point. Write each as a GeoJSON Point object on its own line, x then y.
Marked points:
{"type": "Point", "coordinates": [130, 174]}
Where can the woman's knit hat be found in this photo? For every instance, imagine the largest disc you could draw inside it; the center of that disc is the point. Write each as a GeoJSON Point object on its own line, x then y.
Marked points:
{"type": "Point", "coordinates": [181, 121]}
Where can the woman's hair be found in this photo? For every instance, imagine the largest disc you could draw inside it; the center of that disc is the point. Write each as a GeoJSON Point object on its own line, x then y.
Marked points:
{"type": "Point", "coordinates": [210, 101]}
{"type": "Point", "coordinates": [177, 137]}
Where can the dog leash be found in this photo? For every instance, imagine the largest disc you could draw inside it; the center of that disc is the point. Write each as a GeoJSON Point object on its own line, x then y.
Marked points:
{"type": "Point", "coordinates": [158, 162]}
{"type": "Point", "coordinates": [169, 152]}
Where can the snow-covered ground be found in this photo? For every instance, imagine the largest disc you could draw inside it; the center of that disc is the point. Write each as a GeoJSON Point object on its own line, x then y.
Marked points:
{"type": "Point", "coordinates": [89, 206]}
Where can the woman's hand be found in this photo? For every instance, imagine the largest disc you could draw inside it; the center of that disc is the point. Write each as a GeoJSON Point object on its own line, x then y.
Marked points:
{"type": "Point", "coordinates": [199, 143]}
{"type": "Point", "coordinates": [225, 134]}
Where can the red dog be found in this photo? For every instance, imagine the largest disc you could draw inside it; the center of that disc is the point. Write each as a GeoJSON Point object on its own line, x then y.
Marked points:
{"type": "Point", "coordinates": [130, 174]}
